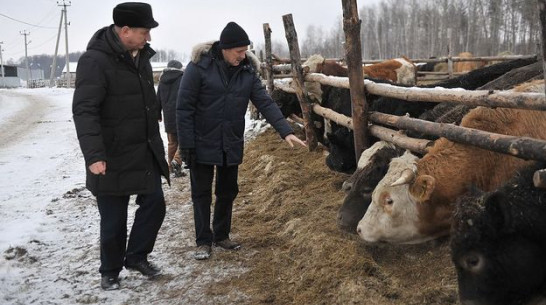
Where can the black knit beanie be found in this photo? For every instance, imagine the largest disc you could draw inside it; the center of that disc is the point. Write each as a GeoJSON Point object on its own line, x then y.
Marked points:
{"type": "Point", "coordinates": [174, 64]}
{"type": "Point", "coordinates": [233, 36]}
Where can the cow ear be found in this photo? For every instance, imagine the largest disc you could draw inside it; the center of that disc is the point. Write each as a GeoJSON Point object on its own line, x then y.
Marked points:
{"type": "Point", "coordinates": [422, 187]}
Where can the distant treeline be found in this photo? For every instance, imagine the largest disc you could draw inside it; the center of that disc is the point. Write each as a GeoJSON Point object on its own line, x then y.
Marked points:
{"type": "Point", "coordinates": [420, 29]}
{"type": "Point", "coordinates": [414, 28]}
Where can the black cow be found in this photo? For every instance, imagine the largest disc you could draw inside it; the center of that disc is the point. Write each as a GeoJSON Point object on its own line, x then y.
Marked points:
{"type": "Point", "coordinates": [372, 167]}
{"type": "Point", "coordinates": [498, 243]}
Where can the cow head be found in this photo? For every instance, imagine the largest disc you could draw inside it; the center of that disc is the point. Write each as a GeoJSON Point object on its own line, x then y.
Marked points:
{"type": "Point", "coordinates": [313, 64]}
{"type": "Point", "coordinates": [495, 264]}
{"type": "Point", "coordinates": [341, 147]}
{"type": "Point", "coordinates": [371, 167]}
{"type": "Point", "coordinates": [287, 102]}
{"type": "Point", "coordinates": [395, 212]}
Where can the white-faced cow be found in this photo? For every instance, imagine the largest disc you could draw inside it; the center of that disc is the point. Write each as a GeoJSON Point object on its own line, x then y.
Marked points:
{"type": "Point", "coordinates": [498, 244]}
{"type": "Point", "coordinates": [417, 206]}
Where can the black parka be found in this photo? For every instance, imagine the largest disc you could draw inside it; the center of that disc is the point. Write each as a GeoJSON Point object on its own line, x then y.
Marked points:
{"type": "Point", "coordinates": [211, 110]}
{"type": "Point", "coordinates": [115, 112]}
{"type": "Point", "coordinates": [167, 91]}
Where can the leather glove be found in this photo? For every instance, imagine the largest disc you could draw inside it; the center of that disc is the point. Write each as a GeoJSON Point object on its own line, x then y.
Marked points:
{"type": "Point", "coordinates": [188, 157]}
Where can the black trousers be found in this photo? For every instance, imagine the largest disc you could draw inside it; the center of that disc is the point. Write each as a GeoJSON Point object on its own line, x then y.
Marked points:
{"type": "Point", "coordinates": [226, 190]}
{"type": "Point", "coordinates": [113, 228]}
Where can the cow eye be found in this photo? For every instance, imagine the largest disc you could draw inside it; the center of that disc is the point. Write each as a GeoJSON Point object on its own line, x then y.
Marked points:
{"type": "Point", "coordinates": [472, 262]}
{"type": "Point", "coordinates": [389, 201]}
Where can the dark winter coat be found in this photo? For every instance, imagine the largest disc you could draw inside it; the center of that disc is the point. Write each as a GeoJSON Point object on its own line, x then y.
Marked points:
{"type": "Point", "coordinates": [115, 112]}
{"type": "Point", "coordinates": [167, 92]}
{"type": "Point", "coordinates": [211, 111]}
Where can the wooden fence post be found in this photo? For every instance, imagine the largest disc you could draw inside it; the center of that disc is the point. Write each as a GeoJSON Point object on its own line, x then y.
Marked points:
{"type": "Point", "coordinates": [539, 178]}
{"type": "Point", "coordinates": [268, 58]}
{"type": "Point", "coordinates": [542, 17]}
{"type": "Point", "coordinates": [449, 55]}
{"type": "Point", "coordinates": [297, 75]}
{"type": "Point", "coordinates": [353, 53]}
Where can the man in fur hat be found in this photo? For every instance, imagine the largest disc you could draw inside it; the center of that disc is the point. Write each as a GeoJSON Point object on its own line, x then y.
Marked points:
{"type": "Point", "coordinates": [116, 116]}
{"type": "Point", "coordinates": [212, 101]}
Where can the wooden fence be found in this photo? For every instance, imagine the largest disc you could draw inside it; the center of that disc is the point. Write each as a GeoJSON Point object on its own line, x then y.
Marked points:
{"type": "Point", "coordinates": [526, 148]}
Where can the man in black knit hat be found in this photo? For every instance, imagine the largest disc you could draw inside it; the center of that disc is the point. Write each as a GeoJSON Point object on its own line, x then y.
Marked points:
{"type": "Point", "coordinates": [212, 101]}
{"type": "Point", "coordinates": [116, 116]}
{"type": "Point", "coordinates": [167, 92]}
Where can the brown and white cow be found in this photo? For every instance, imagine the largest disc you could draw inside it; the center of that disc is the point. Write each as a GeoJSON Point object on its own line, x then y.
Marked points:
{"type": "Point", "coordinates": [414, 201]}
{"type": "Point", "coordinates": [467, 66]}
{"type": "Point", "coordinates": [397, 70]}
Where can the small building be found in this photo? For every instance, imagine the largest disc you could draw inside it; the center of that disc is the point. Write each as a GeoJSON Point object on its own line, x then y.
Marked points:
{"type": "Point", "coordinates": [73, 65]}
{"type": "Point", "coordinates": [11, 77]}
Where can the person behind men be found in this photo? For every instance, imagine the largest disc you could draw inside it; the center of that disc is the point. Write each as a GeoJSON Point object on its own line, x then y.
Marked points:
{"type": "Point", "coordinates": [167, 91]}
{"type": "Point", "coordinates": [212, 102]}
{"type": "Point", "coordinates": [115, 113]}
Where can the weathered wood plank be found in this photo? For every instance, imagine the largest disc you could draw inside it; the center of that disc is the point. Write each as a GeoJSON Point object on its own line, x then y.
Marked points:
{"type": "Point", "coordinates": [521, 147]}
{"type": "Point", "coordinates": [297, 75]}
{"type": "Point", "coordinates": [353, 53]}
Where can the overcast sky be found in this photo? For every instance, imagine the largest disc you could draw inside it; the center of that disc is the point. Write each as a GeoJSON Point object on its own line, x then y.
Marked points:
{"type": "Point", "coordinates": [182, 23]}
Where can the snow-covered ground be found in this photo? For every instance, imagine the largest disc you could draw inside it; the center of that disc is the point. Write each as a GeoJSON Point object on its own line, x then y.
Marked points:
{"type": "Point", "coordinates": [49, 222]}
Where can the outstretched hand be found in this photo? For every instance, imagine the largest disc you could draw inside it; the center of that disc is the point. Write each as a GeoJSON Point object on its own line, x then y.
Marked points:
{"type": "Point", "coordinates": [291, 139]}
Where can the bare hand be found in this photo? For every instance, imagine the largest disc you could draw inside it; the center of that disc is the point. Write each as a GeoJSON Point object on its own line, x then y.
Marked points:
{"type": "Point", "coordinates": [291, 139]}
{"type": "Point", "coordinates": [98, 168]}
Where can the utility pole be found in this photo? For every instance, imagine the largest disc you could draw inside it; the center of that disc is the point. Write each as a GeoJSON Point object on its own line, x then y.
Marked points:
{"type": "Point", "coordinates": [54, 64]}
{"type": "Point", "coordinates": [68, 76]}
{"type": "Point", "coordinates": [24, 32]}
{"type": "Point", "coordinates": [2, 65]}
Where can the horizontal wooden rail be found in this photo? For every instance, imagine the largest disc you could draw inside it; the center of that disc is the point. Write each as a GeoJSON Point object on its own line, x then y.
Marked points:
{"type": "Point", "coordinates": [383, 133]}
{"type": "Point", "coordinates": [521, 147]}
{"type": "Point", "coordinates": [499, 98]}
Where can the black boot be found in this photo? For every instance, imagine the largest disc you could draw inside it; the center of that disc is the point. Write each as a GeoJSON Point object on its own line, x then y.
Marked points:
{"type": "Point", "coordinates": [144, 267]}
{"type": "Point", "coordinates": [109, 282]}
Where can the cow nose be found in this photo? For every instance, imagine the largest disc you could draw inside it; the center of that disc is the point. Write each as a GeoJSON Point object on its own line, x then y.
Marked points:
{"type": "Point", "coordinates": [358, 230]}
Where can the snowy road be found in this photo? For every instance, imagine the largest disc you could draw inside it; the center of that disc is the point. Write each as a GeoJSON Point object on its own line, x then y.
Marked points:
{"type": "Point", "coordinates": [39, 159]}
{"type": "Point", "coordinates": [49, 223]}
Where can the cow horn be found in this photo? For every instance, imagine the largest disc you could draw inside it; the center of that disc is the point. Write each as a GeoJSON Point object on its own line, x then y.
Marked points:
{"type": "Point", "coordinates": [406, 177]}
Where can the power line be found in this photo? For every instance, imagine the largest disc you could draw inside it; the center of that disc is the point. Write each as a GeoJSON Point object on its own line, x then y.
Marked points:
{"type": "Point", "coordinates": [34, 25]}
{"type": "Point", "coordinates": [43, 43]}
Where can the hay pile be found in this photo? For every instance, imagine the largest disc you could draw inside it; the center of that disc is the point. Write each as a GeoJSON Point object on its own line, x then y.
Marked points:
{"type": "Point", "coordinates": [285, 216]}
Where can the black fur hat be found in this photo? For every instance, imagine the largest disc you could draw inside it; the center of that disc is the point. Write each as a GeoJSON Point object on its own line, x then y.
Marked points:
{"type": "Point", "coordinates": [134, 14]}
{"type": "Point", "coordinates": [233, 36]}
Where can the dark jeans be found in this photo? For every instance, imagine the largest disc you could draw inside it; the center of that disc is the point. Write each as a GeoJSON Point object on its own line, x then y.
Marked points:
{"type": "Point", "coordinates": [113, 228]}
{"type": "Point", "coordinates": [226, 189]}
